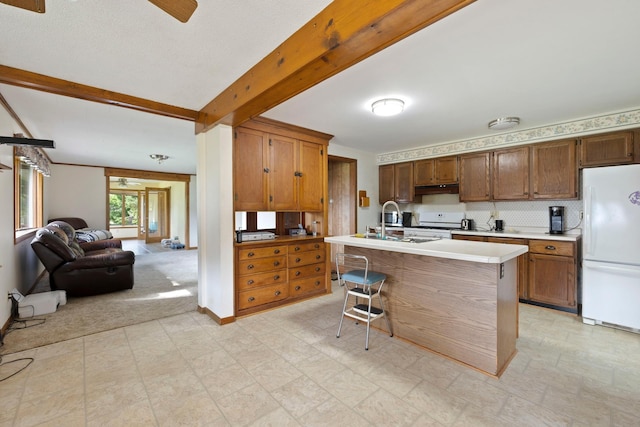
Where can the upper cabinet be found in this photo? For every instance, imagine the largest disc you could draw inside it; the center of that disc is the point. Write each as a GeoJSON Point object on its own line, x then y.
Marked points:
{"type": "Point", "coordinates": [554, 172]}
{"type": "Point", "coordinates": [475, 177]}
{"type": "Point", "coordinates": [543, 171]}
{"type": "Point", "coordinates": [396, 183]}
{"type": "Point", "coordinates": [279, 169]}
{"type": "Point", "coordinates": [607, 149]}
{"type": "Point", "coordinates": [510, 180]}
{"type": "Point", "coordinates": [439, 171]}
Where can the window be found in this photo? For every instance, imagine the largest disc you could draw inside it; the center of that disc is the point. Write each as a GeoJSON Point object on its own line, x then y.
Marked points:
{"type": "Point", "coordinates": [123, 208]}
{"type": "Point", "coordinates": [28, 196]}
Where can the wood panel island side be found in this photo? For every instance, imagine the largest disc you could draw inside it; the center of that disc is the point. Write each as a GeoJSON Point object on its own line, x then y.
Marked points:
{"type": "Point", "coordinates": [457, 298]}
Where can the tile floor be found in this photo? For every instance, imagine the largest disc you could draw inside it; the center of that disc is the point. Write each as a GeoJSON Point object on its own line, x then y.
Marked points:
{"type": "Point", "coordinates": [286, 368]}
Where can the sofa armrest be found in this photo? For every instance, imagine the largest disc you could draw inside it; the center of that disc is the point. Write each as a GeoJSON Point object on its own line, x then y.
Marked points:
{"type": "Point", "coordinates": [100, 244]}
{"type": "Point", "coordinates": [108, 258]}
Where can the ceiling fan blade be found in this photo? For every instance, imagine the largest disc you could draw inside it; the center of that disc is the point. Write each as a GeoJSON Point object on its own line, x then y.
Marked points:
{"type": "Point", "coordinates": [32, 5]}
{"type": "Point", "coordinates": [179, 9]}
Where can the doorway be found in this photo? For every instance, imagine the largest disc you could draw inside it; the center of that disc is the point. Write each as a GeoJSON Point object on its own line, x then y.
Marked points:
{"type": "Point", "coordinates": [343, 200]}
{"type": "Point", "coordinates": [157, 208]}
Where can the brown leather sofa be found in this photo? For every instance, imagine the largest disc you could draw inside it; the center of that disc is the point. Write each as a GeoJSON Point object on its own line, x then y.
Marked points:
{"type": "Point", "coordinates": [82, 269]}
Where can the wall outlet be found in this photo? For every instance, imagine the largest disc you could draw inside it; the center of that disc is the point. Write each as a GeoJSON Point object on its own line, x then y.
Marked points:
{"type": "Point", "coordinates": [581, 215]}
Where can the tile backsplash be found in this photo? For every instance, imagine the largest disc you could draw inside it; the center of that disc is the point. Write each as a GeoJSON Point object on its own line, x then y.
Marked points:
{"type": "Point", "coordinates": [517, 215]}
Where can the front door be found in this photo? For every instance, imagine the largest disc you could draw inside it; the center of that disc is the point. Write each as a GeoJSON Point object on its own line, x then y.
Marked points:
{"type": "Point", "coordinates": [157, 208]}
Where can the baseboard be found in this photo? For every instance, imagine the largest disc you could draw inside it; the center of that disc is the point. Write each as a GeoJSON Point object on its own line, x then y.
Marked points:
{"type": "Point", "coordinates": [218, 320]}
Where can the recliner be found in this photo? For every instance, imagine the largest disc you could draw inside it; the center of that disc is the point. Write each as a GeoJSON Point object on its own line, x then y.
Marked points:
{"type": "Point", "coordinates": [82, 269]}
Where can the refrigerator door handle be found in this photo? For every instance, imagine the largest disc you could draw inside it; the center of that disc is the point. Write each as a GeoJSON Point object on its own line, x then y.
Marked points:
{"type": "Point", "coordinates": [588, 239]}
{"type": "Point", "coordinates": [628, 270]}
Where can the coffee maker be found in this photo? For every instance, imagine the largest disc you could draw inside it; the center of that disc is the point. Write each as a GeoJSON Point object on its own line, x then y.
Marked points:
{"type": "Point", "coordinates": [556, 219]}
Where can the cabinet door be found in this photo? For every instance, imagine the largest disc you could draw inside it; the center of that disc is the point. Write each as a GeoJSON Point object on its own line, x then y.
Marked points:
{"type": "Point", "coordinates": [283, 188]}
{"type": "Point", "coordinates": [404, 188]}
{"type": "Point", "coordinates": [510, 177]}
{"type": "Point", "coordinates": [554, 173]}
{"type": "Point", "coordinates": [609, 149]}
{"type": "Point", "coordinates": [424, 172]}
{"type": "Point", "coordinates": [474, 177]}
{"type": "Point", "coordinates": [311, 177]}
{"type": "Point", "coordinates": [552, 280]}
{"type": "Point", "coordinates": [446, 170]}
{"type": "Point", "coordinates": [386, 183]}
{"type": "Point", "coordinates": [250, 162]}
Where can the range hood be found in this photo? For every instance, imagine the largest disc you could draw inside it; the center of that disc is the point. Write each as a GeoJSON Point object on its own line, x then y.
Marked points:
{"type": "Point", "coordinates": [424, 190]}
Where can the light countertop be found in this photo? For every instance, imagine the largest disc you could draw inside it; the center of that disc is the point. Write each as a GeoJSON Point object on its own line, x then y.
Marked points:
{"type": "Point", "coordinates": [491, 253]}
{"type": "Point", "coordinates": [522, 234]}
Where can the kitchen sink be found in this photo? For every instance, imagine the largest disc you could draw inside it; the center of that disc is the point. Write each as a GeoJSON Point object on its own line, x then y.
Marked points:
{"type": "Point", "coordinates": [398, 239]}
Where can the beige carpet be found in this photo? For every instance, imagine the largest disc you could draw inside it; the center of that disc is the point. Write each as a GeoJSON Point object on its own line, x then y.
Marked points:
{"type": "Point", "coordinates": [165, 284]}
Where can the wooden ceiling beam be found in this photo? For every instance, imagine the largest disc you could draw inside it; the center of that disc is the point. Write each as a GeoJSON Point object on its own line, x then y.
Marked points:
{"type": "Point", "coordinates": [343, 34]}
{"type": "Point", "coordinates": [27, 79]}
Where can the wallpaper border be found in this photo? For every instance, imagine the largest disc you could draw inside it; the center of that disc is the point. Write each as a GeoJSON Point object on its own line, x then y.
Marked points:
{"type": "Point", "coordinates": [597, 124]}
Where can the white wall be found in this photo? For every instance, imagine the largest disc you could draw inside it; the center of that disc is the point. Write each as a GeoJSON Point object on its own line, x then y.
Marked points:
{"type": "Point", "coordinates": [193, 212]}
{"type": "Point", "coordinates": [77, 191]}
{"type": "Point", "coordinates": [8, 272]}
{"type": "Point", "coordinates": [367, 177]}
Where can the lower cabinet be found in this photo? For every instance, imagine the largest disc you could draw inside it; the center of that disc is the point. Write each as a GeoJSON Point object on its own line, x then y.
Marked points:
{"type": "Point", "coordinates": [547, 273]}
{"type": "Point", "coordinates": [271, 275]}
{"type": "Point", "coordinates": [552, 273]}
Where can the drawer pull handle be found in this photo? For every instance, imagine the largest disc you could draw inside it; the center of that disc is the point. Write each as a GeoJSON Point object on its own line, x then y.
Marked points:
{"type": "Point", "coordinates": [277, 251]}
{"type": "Point", "coordinates": [298, 260]}
{"type": "Point", "coordinates": [250, 254]}
{"type": "Point", "coordinates": [276, 263]}
{"type": "Point", "coordinates": [298, 288]}
{"type": "Point", "coordinates": [318, 257]}
{"type": "Point", "coordinates": [297, 248]}
{"type": "Point", "coordinates": [250, 267]}
{"type": "Point", "coordinates": [317, 246]}
{"type": "Point", "coordinates": [317, 282]}
{"type": "Point", "coordinates": [318, 268]}
{"type": "Point", "coordinates": [250, 282]}
{"type": "Point", "coordinates": [550, 248]}
{"type": "Point", "coordinates": [277, 293]}
{"type": "Point", "coordinates": [298, 273]}
{"type": "Point", "coordinates": [251, 299]}
{"type": "Point", "coordinates": [276, 277]}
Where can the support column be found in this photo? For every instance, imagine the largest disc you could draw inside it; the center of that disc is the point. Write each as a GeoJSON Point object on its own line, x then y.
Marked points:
{"type": "Point", "coordinates": [215, 223]}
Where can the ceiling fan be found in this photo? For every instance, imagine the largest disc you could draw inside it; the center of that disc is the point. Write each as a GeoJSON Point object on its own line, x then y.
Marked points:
{"type": "Point", "coordinates": [179, 9]}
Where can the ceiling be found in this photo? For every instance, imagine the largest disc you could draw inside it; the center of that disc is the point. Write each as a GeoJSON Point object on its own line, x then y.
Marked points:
{"type": "Point", "coordinates": [545, 61]}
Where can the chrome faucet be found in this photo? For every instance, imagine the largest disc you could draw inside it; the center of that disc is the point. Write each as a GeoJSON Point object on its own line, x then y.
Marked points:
{"type": "Point", "coordinates": [389, 202]}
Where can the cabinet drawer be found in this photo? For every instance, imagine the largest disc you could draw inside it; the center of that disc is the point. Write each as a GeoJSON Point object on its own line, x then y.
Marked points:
{"type": "Point", "coordinates": [252, 281]}
{"type": "Point", "coordinates": [252, 266]}
{"type": "Point", "coordinates": [300, 272]}
{"type": "Point", "coordinates": [304, 286]}
{"type": "Point", "coordinates": [264, 295]}
{"type": "Point", "coordinates": [252, 253]}
{"type": "Point", "coordinates": [306, 247]}
{"type": "Point", "coordinates": [306, 258]}
{"type": "Point", "coordinates": [551, 247]}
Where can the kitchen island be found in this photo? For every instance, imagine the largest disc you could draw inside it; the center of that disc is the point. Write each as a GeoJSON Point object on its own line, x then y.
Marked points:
{"type": "Point", "coordinates": [457, 298]}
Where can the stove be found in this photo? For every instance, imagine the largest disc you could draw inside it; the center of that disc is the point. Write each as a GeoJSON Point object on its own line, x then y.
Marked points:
{"type": "Point", "coordinates": [435, 225]}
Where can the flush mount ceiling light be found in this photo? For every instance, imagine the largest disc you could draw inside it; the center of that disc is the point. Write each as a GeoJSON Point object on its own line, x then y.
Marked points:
{"type": "Point", "coordinates": [159, 157]}
{"type": "Point", "coordinates": [387, 107]}
{"type": "Point", "coordinates": [504, 123]}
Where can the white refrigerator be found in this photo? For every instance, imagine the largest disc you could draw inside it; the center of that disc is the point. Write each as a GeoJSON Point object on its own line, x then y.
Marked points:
{"type": "Point", "coordinates": [611, 246]}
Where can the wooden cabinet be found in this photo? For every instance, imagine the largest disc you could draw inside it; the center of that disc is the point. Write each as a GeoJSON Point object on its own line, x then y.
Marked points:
{"type": "Point", "coordinates": [396, 183]}
{"type": "Point", "coordinates": [510, 175]}
{"type": "Point", "coordinates": [278, 169]}
{"type": "Point", "coordinates": [261, 276]}
{"type": "Point", "coordinates": [554, 173]}
{"type": "Point", "coordinates": [607, 149]}
{"type": "Point", "coordinates": [547, 273]}
{"type": "Point", "coordinates": [439, 171]}
{"type": "Point", "coordinates": [552, 273]}
{"type": "Point", "coordinates": [268, 275]}
{"type": "Point", "coordinates": [475, 177]}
